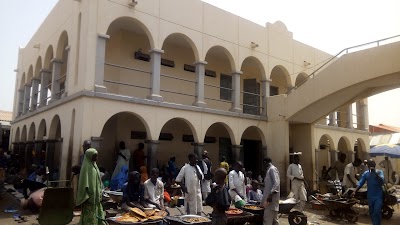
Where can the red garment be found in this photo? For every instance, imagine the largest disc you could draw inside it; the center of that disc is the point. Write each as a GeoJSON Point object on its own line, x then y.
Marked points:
{"type": "Point", "coordinates": [167, 197]}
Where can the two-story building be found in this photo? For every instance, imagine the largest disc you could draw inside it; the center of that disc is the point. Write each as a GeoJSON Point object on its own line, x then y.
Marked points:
{"type": "Point", "coordinates": [179, 76]}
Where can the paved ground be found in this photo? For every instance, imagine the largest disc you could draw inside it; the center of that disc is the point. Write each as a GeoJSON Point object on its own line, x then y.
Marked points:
{"type": "Point", "coordinates": [314, 216]}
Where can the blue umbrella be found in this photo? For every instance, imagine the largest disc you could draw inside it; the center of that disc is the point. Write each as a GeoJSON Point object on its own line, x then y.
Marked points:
{"type": "Point", "coordinates": [389, 150]}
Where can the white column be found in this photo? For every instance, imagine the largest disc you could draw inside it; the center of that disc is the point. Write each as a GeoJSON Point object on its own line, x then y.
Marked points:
{"type": "Point", "coordinates": [350, 116]}
{"type": "Point", "coordinates": [55, 79]}
{"type": "Point", "coordinates": [20, 101]}
{"type": "Point", "coordinates": [44, 83]}
{"type": "Point", "coordinates": [362, 114]}
{"type": "Point", "coordinates": [200, 73]}
{"type": "Point", "coordinates": [100, 60]}
{"type": "Point", "coordinates": [67, 75]}
{"type": "Point", "coordinates": [265, 93]}
{"type": "Point", "coordinates": [27, 97]}
{"type": "Point", "coordinates": [236, 92]}
{"type": "Point", "coordinates": [155, 74]}
{"type": "Point", "coordinates": [332, 119]}
{"type": "Point", "coordinates": [35, 92]}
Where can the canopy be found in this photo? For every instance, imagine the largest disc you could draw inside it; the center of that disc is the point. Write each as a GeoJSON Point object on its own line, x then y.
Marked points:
{"type": "Point", "coordinates": [389, 150]}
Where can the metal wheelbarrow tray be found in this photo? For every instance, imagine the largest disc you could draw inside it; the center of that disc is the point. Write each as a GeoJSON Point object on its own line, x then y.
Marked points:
{"type": "Point", "coordinates": [342, 208]}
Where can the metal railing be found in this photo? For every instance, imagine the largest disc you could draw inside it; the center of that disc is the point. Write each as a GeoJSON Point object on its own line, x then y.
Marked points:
{"type": "Point", "coordinates": [219, 88]}
{"type": "Point", "coordinates": [122, 83]}
{"type": "Point", "coordinates": [252, 109]}
{"type": "Point", "coordinates": [343, 52]}
{"type": "Point", "coordinates": [180, 79]}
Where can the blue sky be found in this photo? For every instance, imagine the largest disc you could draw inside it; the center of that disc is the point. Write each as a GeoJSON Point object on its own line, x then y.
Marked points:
{"type": "Point", "coordinates": [328, 25]}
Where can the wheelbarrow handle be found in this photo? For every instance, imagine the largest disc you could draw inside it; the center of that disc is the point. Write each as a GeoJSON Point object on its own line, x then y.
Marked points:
{"type": "Point", "coordinates": [316, 199]}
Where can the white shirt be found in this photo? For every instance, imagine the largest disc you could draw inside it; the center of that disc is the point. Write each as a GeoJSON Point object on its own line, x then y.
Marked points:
{"type": "Point", "coordinates": [295, 170]}
{"type": "Point", "coordinates": [351, 170]}
{"type": "Point", "coordinates": [154, 193]}
{"type": "Point", "coordinates": [189, 176]}
{"type": "Point", "coordinates": [236, 181]}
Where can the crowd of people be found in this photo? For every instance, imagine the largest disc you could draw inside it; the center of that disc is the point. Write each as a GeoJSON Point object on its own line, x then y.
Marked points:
{"type": "Point", "coordinates": [220, 188]}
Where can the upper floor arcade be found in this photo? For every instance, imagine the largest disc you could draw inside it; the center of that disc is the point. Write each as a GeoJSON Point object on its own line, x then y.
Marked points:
{"type": "Point", "coordinates": [226, 64]}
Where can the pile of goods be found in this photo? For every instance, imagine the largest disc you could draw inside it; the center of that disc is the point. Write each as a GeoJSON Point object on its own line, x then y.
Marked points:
{"type": "Point", "coordinates": [137, 215]}
{"type": "Point", "coordinates": [234, 211]}
{"type": "Point", "coordinates": [253, 207]}
{"type": "Point", "coordinates": [195, 220]}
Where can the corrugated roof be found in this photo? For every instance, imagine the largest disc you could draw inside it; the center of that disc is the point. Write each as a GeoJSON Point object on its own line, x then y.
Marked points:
{"type": "Point", "coordinates": [5, 116]}
{"type": "Point", "coordinates": [388, 128]}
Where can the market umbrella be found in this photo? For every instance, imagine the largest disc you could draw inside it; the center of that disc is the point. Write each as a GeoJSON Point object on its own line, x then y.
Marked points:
{"type": "Point", "coordinates": [389, 150]}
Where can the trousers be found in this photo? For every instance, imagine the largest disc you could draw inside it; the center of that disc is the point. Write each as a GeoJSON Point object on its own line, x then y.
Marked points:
{"type": "Point", "coordinates": [375, 209]}
{"type": "Point", "coordinates": [270, 217]}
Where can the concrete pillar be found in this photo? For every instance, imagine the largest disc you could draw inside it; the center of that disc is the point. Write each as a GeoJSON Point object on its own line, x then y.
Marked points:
{"type": "Point", "coordinates": [152, 147]}
{"type": "Point", "coordinates": [155, 74]}
{"type": "Point", "coordinates": [35, 93]}
{"type": "Point", "coordinates": [55, 79]}
{"type": "Point", "coordinates": [349, 118]}
{"type": "Point", "coordinates": [27, 97]}
{"type": "Point", "coordinates": [265, 86]}
{"type": "Point", "coordinates": [67, 75]}
{"type": "Point", "coordinates": [236, 92]}
{"type": "Point", "coordinates": [332, 119]}
{"type": "Point", "coordinates": [198, 149]}
{"type": "Point", "coordinates": [20, 101]}
{"type": "Point", "coordinates": [237, 153]}
{"type": "Point", "coordinates": [44, 83]}
{"type": "Point", "coordinates": [200, 73]}
{"type": "Point", "coordinates": [362, 113]}
{"type": "Point", "coordinates": [100, 60]}
{"type": "Point", "coordinates": [38, 150]}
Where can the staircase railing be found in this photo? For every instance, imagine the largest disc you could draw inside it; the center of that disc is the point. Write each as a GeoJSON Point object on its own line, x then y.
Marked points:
{"type": "Point", "coordinates": [345, 51]}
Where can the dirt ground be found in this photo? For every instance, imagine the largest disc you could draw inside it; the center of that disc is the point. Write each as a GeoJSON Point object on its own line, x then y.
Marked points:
{"type": "Point", "coordinates": [314, 216]}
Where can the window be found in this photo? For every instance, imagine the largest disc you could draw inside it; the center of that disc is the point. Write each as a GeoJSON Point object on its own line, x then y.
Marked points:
{"type": "Point", "coordinates": [225, 82]}
{"type": "Point", "coordinates": [273, 90]}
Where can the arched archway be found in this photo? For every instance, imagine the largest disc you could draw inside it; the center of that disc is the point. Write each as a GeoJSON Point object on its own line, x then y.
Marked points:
{"type": "Point", "coordinates": [123, 126]}
{"type": "Point", "coordinates": [17, 138]}
{"type": "Point", "coordinates": [49, 67]}
{"type": "Point", "coordinates": [176, 138]}
{"type": "Point", "coordinates": [221, 64]}
{"type": "Point", "coordinates": [127, 69]}
{"type": "Point", "coordinates": [40, 144]}
{"type": "Point", "coordinates": [280, 81]}
{"type": "Point", "coordinates": [253, 73]}
{"type": "Point", "coordinates": [324, 156]}
{"type": "Point", "coordinates": [253, 150]}
{"type": "Point", "coordinates": [301, 78]}
{"type": "Point", "coordinates": [218, 140]}
{"type": "Point", "coordinates": [30, 145]}
{"type": "Point", "coordinates": [54, 146]}
{"type": "Point", "coordinates": [360, 149]}
{"type": "Point", "coordinates": [345, 147]}
{"type": "Point", "coordinates": [181, 52]}
{"type": "Point", "coordinates": [62, 54]}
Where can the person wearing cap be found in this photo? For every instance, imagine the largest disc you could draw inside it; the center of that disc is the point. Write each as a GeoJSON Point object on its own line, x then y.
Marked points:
{"type": "Point", "coordinates": [271, 196]}
{"type": "Point", "coordinates": [237, 187]}
{"type": "Point", "coordinates": [296, 175]}
{"type": "Point", "coordinates": [205, 166]}
{"type": "Point", "coordinates": [375, 179]}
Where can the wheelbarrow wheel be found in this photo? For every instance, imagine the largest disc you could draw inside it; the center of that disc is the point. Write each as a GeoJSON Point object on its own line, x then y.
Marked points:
{"type": "Point", "coordinates": [387, 212]}
{"type": "Point", "coordinates": [351, 216]}
{"type": "Point", "coordinates": [297, 218]}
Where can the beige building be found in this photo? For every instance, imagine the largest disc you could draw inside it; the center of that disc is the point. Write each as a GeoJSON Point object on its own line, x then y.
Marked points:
{"type": "Point", "coordinates": [184, 76]}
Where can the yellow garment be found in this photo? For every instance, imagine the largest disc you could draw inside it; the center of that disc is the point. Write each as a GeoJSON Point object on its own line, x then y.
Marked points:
{"type": "Point", "coordinates": [225, 165]}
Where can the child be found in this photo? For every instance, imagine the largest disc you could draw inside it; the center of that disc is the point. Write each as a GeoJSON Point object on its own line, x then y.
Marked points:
{"type": "Point", "coordinates": [219, 198]}
{"type": "Point", "coordinates": [255, 194]}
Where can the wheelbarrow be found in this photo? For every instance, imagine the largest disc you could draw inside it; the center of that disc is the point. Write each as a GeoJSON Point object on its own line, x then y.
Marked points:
{"type": "Point", "coordinates": [341, 208]}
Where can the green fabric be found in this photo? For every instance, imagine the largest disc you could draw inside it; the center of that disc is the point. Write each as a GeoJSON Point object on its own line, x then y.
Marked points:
{"type": "Point", "coordinates": [89, 185]}
{"type": "Point", "coordinates": [91, 213]}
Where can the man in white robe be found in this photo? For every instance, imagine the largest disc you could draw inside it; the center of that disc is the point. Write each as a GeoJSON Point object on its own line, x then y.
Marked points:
{"type": "Point", "coordinates": [295, 174]}
{"type": "Point", "coordinates": [237, 187]}
{"type": "Point", "coordinates": [189, 178]}
{"type": "Point", "coordinates": [271, 196]}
